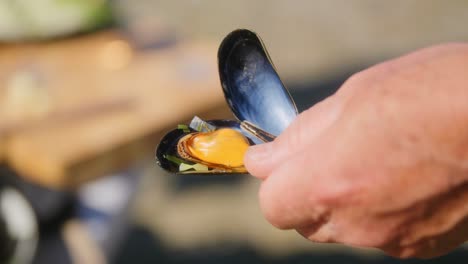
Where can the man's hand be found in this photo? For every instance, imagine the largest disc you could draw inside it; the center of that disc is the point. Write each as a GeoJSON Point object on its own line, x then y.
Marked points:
{"type": "Point", "coordinates": [382, 163]}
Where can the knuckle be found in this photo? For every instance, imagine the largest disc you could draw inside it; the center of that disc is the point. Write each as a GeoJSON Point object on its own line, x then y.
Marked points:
{"type": "Point", "coordinates": [357, 78]}
{"type": "Point", "coordinates": [354, 84]}
{"type": "Point", "coordinates": [369, 237]}
{"type": "Point", "coordinates": [371, 76]}
{"type": "Point", "coordinates": [271, 207]}
{"type": "Point", "coordinates": [364, 77]}
{"type": "Point", "coordinates": [320, 232]}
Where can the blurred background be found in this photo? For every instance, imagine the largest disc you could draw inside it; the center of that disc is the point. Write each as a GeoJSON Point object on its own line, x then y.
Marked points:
{"type": "Point", "coordinates": [88, 87]}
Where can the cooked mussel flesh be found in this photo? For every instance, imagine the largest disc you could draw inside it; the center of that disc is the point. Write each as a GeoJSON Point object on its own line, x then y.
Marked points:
{"type": "Point", "coordinates": [222, 149]}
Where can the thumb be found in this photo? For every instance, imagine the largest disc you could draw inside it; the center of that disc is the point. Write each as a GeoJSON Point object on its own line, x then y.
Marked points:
{"type": "Point", "coordinates": [261, 160]}
{"type": "Point", "coordinates": [259, 157]}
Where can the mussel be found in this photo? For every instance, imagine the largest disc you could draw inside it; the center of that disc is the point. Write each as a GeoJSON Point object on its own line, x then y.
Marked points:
{"type": "Point", "coordinates": [258, 99]}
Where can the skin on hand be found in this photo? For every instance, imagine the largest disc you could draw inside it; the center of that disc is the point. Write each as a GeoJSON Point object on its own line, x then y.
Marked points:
{"type": "Point", "coordinates": [382, 163]}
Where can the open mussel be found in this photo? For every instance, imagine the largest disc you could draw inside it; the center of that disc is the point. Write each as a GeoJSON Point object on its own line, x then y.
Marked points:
{"type": "Point", "coordinates": [257, 97]}
{"type": "Point", "coordinates": [216, 146]}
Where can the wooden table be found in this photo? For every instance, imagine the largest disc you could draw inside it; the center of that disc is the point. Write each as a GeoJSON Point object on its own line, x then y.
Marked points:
{"type": "Point", "coordinates": [74, 109]}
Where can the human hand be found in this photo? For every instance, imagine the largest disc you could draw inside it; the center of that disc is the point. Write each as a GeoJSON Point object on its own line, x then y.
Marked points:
{"type": "Point", "coordinates": [382, 163]}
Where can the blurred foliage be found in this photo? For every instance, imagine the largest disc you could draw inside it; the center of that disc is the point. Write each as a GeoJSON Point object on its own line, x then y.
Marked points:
{"type": "Point", "coordinates": [40, 19]}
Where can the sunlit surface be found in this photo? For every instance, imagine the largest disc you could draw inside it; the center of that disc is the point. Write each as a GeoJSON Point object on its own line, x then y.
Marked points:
{"type": "Point", "coordinates": [85, 100]}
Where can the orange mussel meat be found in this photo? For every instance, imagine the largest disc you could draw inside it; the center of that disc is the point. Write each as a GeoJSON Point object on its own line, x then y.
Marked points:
{"type": "Point", "coordinates": [221, 149]}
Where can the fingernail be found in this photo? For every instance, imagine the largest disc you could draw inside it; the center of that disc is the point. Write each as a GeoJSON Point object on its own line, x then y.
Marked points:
{"type": "Point", "coordinates": [259, 153]}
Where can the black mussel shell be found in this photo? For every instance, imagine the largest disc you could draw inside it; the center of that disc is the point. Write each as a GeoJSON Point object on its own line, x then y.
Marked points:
{"type": "Point", "coordinates": [251, 85]}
